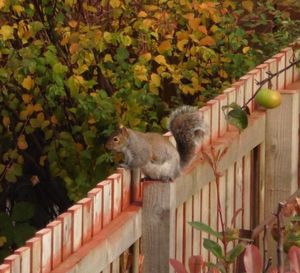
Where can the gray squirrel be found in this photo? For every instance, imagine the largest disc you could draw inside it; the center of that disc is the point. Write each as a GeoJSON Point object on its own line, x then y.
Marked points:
{"type": "Point", "coordinates": [153, 153]}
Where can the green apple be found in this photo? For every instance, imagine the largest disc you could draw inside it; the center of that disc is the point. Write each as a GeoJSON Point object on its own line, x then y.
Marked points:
{"type": "Point", "coordinates": [268, 98]}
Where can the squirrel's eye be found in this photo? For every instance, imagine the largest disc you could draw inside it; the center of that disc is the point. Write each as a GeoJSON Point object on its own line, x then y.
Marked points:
{"type": "Point", "coordinates": [115, 139]}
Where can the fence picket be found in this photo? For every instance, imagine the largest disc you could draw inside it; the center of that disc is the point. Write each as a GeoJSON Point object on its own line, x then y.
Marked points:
{"type": "Point", "coordinates": [35, 245]}
{"type": "Point", "coordinates": [46, 249]}
{"type": "Point", "coordinates": [24, 253]}
{"type": "Point", "coordinates": [14, 261]}
{"type": "Point", "coordinates": [67, 236]}
{"type": "Point", "coordinates": [96, 196]}
{"type": "Point", "coordinates": [76, 211]}
{"type": "Point", "coordinates": [56, 227]}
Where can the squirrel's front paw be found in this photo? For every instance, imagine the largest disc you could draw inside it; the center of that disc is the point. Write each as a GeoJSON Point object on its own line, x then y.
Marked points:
{"type": "Point", "coordinates": [125, 166]}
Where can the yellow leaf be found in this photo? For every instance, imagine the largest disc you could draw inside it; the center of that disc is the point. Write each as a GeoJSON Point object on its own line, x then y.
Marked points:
{"type": "Point", "coordinates": [22, 144]}
{"type": "Point", "coordinates": [146, 57]}
{"type": "Point", "coordinates": [186, 89]}
{"type": "Point", "coordinates": [246, 49]}
{"type": "Point", "coordinates": [155, 82]}
{"type": "Point", "coordinates": [207, 41]}
{"type": "Point", "coordinates": [248, 5]}
{"type": "Point", "coordinates": [91, 121]}
{"type": "Point", "coordinates": [115, 3]}
{"type": "Point", "coordinates": [37, 107]}
{"type": "Point", "coordinates": [7, 32]}
{"type": "Point", "coordinates": [40, 117]}
{"type": "Point", "coordinates": [6, 121]}
{"type": "Point", "coordinates": [26, 98]}
{"type": "Point", "coordinates": [18, 9]}
{"type": "Point", "coordinates": [42, 160]}
{"type": "Point", "coordinates": [140, 72]}
{"type": "Point", "coordinates": [223, 74]}
{"type": "Point", "coordinates": [181, 44]}
{"type": "Point", "coordinates": [2, 238]}
{"type": "Point", "coordinates": [160, 59]}
{"type": "Point", "coordinates": [142, 14]}
{"type": "Point", "coordinates": [28, 83]}
{"type": "Point", "coordinates": [24, 114]}
{"type": "Point", "coordinates": [108, 58]}
{"type": "Point", "coordinates": [73, 23]}
{"type": "Point", "coordinates": [164, 46]}
{"type": "Point", "coordinates": [2, 3]}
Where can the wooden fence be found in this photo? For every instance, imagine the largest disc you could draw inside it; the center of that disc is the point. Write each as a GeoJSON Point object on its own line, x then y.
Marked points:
{"type": "Point", "coordinates": [122, 226]}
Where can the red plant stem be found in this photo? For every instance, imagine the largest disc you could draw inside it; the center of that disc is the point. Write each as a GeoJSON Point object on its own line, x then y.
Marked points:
{"type": "Point", "coordinates": [280, 226]}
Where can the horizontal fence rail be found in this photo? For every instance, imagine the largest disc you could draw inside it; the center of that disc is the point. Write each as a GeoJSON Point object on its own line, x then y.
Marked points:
{"type": "Point", "coordinates": [126, 226]}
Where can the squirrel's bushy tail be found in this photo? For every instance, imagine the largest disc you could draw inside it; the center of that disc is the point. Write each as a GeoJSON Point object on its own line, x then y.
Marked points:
{"type": "Point", "coordinates": [188, 127]}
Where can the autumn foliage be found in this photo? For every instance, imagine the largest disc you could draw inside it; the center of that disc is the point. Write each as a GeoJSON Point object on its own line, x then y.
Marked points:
{"type": "Point", "coordinates": [70, 70]}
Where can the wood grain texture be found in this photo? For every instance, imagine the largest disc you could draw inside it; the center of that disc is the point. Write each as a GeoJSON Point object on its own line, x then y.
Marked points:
{"type": "Point", "coordinates": [5, 268]}
{"type": "Point", "coordinates": [56, 227]}
{"type": "Point", "coordinates": [67, 237]}
{"type": "Point", "coordinates": [96, 196]}
{"type": "Point", "coordinates": [107, 245]}
{"type": "Point", "coordinates": [282, 150]}
{"type": "Point", "coordinates": [158, 226]}
{"type": "Point", "coordinates": [24, 253]}
{"type": "Point", "coordinates": [46, 249]}
{"type": "Point", "coordinates": [14, 261]}
{"type": "Point", "coordinates": [35, 245]}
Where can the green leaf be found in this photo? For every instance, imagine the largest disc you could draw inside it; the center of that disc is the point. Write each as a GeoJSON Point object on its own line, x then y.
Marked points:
{"type": "Point", "coordinates": [205, 228]}
{"type": "Point", "coordinates": [23, 232]}
{"type": "Point", "coordinates": [238, 118]}
{"type": "Point", "coordinates": [4, 252]}
{"type": "Point", "coordinates": [22, 211]}
{"type": "Point", "coordinates": [213, 247]}
{"type": "Point", "coordinates": [235, 252]}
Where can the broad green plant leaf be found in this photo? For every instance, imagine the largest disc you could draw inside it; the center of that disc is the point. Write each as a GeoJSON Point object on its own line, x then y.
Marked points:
{"type": "Point", "coordinates": [205, 228]}
{"type": "Point", "coordinates": [23, 232]}
{"type": "Point", "coordinates": [213, 247]}
{"type": "Point", "coordinates": [235, 252]}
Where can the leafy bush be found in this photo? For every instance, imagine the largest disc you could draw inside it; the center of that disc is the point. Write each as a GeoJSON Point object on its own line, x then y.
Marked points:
{"type": "Point", "coordinates": [72, 70]}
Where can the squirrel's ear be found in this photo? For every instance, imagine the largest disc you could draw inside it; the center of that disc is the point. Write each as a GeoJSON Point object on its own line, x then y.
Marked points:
{"type": "Point", "coordinates": [123, 130]}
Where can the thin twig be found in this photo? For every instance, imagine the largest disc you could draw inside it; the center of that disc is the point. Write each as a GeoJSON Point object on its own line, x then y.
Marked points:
{"type": "Point", "coordinates": [280, 227]}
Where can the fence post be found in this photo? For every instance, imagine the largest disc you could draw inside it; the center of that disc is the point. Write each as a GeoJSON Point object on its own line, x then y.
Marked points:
{"type": "Point", "coordinates": [158, 226]}
{"type": "Point", "coordinates": [282, 150]}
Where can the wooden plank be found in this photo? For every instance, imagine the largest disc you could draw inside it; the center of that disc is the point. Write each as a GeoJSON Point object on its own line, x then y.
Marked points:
{"type": "Point", "coordinates": [106, 245]}
{"type": "Point", "coordinates": [280, 58]}
{"type": "Point", "coordinates": [205, 219]}
{"type": "Point", "coordinates": [230, 194]}
{"type": "Point", "coordinates": [213, 212]}
{"type": "Point", "coordinates": [14, 262]}
{"type": "Point", "coordinates": [126, 184]}
{"type": "Point", "coordinates": [87, 219]}
{"type": "Point", "coordinates": [179, 233]}
{"type": "Point", "coordinates": [196, 217]}
{"type": "Point", "coordinates": [206, 112]}
{"type": "Point", "coordinates": [223, 101]}
{"type": "Point", "coordinates": [247, 192]}
{"type": "Point", "coordinates": [136, 185]}
{"type": "Point", "coordinates": [158, 218]}
{"type": "Point", "coordinates": [239, 91]}
{"type": "Point", "coordinates": [107, 269]}
{"type": "Point", "coordinates": [296, 70]}
{"type": "Point", "coordinates": [188, 230]}
{"type": "Point", "coordinates": [282, 150]}
{"type": "Point", "coordinates": [222, 186]}
{"type": "Point", "coordinates": [116, 179]}
{"type": "Point", "coordinates": [237, 144]}
{"type": "Point", "coordinates": [24, 253]}
{"type": "Point", "coordinates": [56, 228]}
{"type": "Point", "coordinates": [263, 68]}
{"type": "Point", "coordinates": [215, 122]}
{"type": "Point", "coordinates": [136, 257]}
{"type": "Point", "coordinates": [46, 239]}
{"type": "Point", "coordinates": [115, 268]}
{"type": "Point", "coordinates": [5, 268]}
{"type": "Point", "coordinates": [248, 89]}
{"type": "Point", "coordinates": [288, 51]}
{"type": "Point", "coordinates": [67, 236]}
{"type": "Point", "coordinates": [106, 187]}
{"type": "Point", "coordinates": [96, 196]}
{"type": "Point", "coordinates": [273, 68]}
{"type": "Point", "coordinates": [239, 193]}
{"type": "Point", "coordinates": [256, 78]}
{"type": "Point", "coordinates": [76, 211]}
{"type": "Point", "coordinates": [35, 245]}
